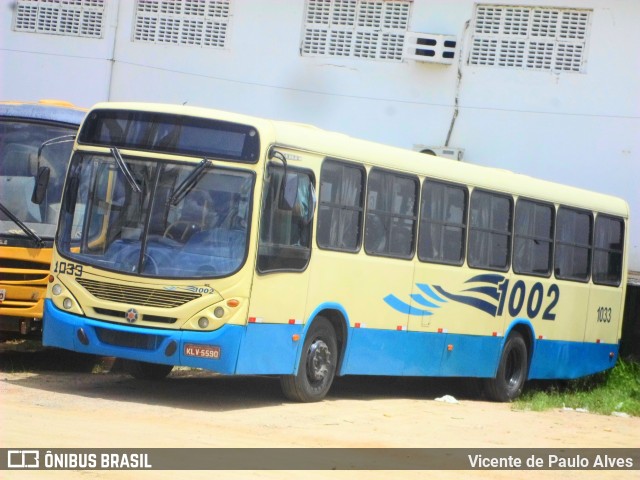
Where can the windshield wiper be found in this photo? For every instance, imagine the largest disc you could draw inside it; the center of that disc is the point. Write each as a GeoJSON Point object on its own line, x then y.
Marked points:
{"type": "Point", "coordinates": [30, 233]}
{"type": "Point", "coordinates": [125, 170]}
{"type": "Point", "coordinates": [188, 183]}
{"type": "Point", "coordinates": [55, 141]}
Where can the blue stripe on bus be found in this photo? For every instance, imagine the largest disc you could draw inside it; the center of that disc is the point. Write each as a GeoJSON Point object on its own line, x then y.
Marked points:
{"type": "Point", "coordinates": [270, 349]}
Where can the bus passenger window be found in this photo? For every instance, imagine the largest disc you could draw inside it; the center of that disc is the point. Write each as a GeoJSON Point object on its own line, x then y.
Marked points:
{"type": "Point", "coordinates": [340, 206]}
{"type": "Point", "coordinates": [607, 254]}
{"type": "Point", "coordinates": [489, 231]}
{"type": "Point", "coordinates": [533, 244]}
{"type": "Point", "coordinates": [573, 244]}
{"type": "Point", "coordinates": [391, 214]}
{"type": "Point", "coordinates": [442, 223]}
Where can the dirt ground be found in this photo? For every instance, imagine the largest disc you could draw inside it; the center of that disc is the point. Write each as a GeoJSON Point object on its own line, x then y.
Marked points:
{"type": "Point", "coordinates": [51, 399]}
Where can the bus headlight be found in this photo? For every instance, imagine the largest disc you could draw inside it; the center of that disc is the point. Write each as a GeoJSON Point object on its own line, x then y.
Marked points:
{"type": "Point", "coordinates": [56, 289]}
{"type": "Point", "coordinates": [67, 303]}
{"type": "Point", "coordinates": [203, 322]}
{"type": "Point", "coordinates": [219, 312]}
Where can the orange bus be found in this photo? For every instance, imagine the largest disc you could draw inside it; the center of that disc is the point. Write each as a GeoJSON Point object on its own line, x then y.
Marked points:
{"type": "Point", "coordinates": [35, 144]}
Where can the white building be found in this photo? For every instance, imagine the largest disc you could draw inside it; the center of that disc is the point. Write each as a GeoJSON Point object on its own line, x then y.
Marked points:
{"type": "Point", "coordinates": [549, 88]}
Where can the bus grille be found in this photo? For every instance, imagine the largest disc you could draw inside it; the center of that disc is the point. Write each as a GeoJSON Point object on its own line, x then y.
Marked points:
{"type": "Point", "coordinates": [130, 295]}
{"type": "Point", "coordinates": [123, 314]}
{"type": "Point", "coordinates": [30, 270]}
{"type": "Point", "coordinates": [129, 339]}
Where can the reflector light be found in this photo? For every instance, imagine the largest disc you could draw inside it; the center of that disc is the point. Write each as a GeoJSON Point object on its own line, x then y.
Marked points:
{"type": "Point", "coordinates": [233, 303]}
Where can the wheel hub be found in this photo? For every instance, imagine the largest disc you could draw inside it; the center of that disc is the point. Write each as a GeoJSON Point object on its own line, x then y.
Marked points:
{"type": "Point", "coordinates": [318, 361]}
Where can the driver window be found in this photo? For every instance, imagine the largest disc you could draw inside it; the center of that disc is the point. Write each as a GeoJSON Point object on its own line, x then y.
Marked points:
{"type": "Point", "coordinates": [285, 234]}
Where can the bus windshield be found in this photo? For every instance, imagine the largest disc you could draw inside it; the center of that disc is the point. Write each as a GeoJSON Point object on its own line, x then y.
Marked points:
{"type": "Point", "coordinates": [19, 163]}
{"type": "Point", "coordinates": [153, 219]}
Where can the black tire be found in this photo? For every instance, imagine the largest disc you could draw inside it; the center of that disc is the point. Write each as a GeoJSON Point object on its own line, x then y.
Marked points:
{"type": "Point", "coordinates": [147, 371]}
{"type": "Point", "coordinates": [512, 371]}
{"type": "Point", "coordinates": [317, 365]}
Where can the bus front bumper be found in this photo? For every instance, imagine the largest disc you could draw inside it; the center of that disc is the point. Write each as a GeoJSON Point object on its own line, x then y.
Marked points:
{"type": "Point", "coordinates": [231, 349]}
{"type": "Point", "coordinates": [217, 350]}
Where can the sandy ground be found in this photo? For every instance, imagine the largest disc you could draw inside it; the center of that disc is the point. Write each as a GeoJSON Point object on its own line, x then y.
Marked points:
{"type": "Point", "coordinates": [49, 400]}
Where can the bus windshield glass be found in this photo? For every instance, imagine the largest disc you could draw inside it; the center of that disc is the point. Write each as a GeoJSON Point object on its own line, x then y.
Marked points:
{"type": "Point", "coordinates": [19, 163]}
{"type": "Point", "coordinates": [155, 219]}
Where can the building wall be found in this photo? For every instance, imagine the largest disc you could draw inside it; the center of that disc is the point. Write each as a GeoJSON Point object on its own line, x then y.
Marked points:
{"type": "Point", "coordinates": [577, 128]}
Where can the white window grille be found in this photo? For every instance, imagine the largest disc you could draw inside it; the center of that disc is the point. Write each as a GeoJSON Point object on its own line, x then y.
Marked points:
{"type": "Point", "coordinates": [530, 38]}
{"type": "Point", "coordinates": [372, 29]}
{"type": "Point", "coordinates": [202, 23]}
{"type": "Point", "coordinates": [76, 18]}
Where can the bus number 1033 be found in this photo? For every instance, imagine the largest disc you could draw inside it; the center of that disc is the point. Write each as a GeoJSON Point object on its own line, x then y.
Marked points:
{"type": "Point", "coordinates": [604, 314]}
{"type": "Point", "coordinates": [533, 301]}
{"type": "Point", "coordinates": [68, 268]}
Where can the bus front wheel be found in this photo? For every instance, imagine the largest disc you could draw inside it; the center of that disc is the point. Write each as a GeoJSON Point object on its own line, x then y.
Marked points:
{"type": "Point", "coordinates": [317, 366]}
{"type": "Point", "coordinates": [512, 371]}
{"type": "Point", "coordinates": [147, 371]}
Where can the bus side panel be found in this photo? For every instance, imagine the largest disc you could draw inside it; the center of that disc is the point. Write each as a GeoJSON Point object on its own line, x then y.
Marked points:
{"type": "Point", "coordinates": [269, 349]}
{"type": "Point", "coordinates": [604, 316]}
{"type": "Point", "coordinates": [563, 359]}
{"type": "Point", "coordinates": [388, 352]}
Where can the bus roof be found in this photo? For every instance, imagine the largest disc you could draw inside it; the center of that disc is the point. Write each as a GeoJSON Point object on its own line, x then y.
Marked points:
{"type": "Point", "coordinates": [305, 137]}
{"type": "Point", "coordinates": [45, 110]}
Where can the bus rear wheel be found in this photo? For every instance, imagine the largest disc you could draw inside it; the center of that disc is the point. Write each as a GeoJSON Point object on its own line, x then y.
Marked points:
{"type": "Point", "coordinates": [317, 366]}
{"type": "Point", "coordinates": [147, 371]}
{"type": "Point", "coordinates": [512, 371]}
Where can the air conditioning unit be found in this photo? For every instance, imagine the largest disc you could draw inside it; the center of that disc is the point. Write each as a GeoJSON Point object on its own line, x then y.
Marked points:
{"type": "Point", "coordinates": [447, 152]}
{"type": "Point", "coordinates": [430, 47]}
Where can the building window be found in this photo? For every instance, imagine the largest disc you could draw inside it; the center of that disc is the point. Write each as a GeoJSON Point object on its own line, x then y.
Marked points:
{"type": "Point", "coordinates": [355, 28]}
{"type": "Point", "coordinates": [201, 23]}
{"type": "Point", "coordinates": [76, 18]}
{"type": "Point", "coordinates": [530, 38]}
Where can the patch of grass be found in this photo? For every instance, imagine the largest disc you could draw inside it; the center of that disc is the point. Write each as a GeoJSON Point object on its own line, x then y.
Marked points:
{"type": "Point", "coordinates": [616, 390]}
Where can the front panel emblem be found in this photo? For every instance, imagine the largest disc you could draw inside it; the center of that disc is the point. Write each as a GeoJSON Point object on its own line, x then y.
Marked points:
{"type": "Point", "coordinates": [131, 315]}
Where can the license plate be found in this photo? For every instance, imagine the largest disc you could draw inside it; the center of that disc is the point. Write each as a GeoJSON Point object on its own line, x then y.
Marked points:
{"type": "Point", "coordinates": [202, 351]}
{"type": "Point", "coordinates": [3, 294]}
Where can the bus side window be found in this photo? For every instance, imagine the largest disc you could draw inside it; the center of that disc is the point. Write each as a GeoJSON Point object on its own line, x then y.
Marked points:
{"type": "Point", "coordinates": [533, 243]}
{"type": "Point", "coordinates": [490, 230]}
{"type": "Point", "coordinates": [285, 234]}
{"type": "Point", "coordinates": [442, 223]}
{"type": "Point", "coordinates": [341, 206]}
{"type": "Point", "coordinates": [573, 244]}
{"type": "Point", "coordinates": [391, 218]}
{"type": "Point", "coordinates": [607, 255]}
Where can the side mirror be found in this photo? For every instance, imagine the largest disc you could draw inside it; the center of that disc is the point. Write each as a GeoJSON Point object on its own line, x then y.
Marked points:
{"type": "Point", "coordinates": [40, 188]}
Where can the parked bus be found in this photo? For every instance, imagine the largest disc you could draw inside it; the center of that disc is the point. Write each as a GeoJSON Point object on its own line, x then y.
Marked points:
{"type": "Point", "coordinates": [247, 246]}
{"type": "Point", "coordinates": [35, 145]}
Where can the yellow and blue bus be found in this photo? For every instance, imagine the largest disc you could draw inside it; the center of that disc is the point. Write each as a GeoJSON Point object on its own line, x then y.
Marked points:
{"type": "Point", "coordinates": [36, 139]}
{"type": "Point", "coordinates": [243, 245]}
